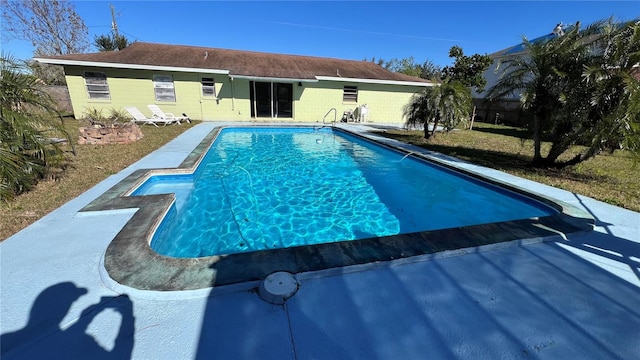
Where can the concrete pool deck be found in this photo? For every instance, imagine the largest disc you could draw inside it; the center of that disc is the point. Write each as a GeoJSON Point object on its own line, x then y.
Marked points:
{"type": "Point", "coordinates": [561, 298]}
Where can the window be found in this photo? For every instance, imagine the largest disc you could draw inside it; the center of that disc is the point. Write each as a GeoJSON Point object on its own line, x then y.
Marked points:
{"type": "Point", "coordinates": [163, 88]}
{"type": "Point", "coordinates": [208, 87]}
{"type": "Point", "coordinates": [97, 87]}
{"type": "Point", "coordinates": [350, 94]}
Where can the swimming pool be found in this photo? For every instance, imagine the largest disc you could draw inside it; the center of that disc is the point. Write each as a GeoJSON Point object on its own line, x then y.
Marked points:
{"type": "Point", "coordinates": [129, 259]}
{"type": "Point", "coordinates": [266, 188]}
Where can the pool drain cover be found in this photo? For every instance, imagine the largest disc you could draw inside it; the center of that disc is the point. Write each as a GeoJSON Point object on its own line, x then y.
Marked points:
{"type": "Point", "coordinates": [278, 287]}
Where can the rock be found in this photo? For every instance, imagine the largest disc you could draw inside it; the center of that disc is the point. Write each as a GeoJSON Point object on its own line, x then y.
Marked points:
{"type": "Point", "coordinates": [111, 134]}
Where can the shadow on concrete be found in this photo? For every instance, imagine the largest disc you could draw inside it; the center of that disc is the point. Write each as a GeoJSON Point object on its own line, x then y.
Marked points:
{"type": "Point", "coordinates": [521, 302]}
{"type": "Point", "coordinates": [620, 250]}
{"type": "Point", "coordinates": [526, 301]}
{"type": "Point", "coordinates": [237, 326]}
{"type": "Point", "coordinates": [44, 336]}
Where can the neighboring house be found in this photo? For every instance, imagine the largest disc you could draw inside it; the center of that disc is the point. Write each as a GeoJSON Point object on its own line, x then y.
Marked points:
{"type": "Point", "coordinates": [492, 76]}
{"type": "Point", "coordinates": [220, 84]}
{"type": "Point", "coordinates": [509, 109]}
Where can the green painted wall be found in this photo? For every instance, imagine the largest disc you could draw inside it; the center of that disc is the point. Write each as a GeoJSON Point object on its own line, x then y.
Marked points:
{"type": "Point", "coordinates": [385, 102]}
{"type": "Point", "coordinates": [311, 101]}
{"type": "Point", "coordinates": [135, 88]}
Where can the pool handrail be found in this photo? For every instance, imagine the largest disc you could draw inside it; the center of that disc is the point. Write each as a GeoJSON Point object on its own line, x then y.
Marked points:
{"type": "Point", "coordinates": [335, 116]}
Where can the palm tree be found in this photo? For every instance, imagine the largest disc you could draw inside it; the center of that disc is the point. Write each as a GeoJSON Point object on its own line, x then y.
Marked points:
{"type": "Point", "coordinates": [537, 76]}
{"type": "Point", "coordinates": [110, 42]}
{"type": "Point", "coordinates": [27, 152]}
{"type": "Point", "coordinates": [448, 103]}
{"type": "Point", "coordinates": [553, 81]}
{"type": "Point", "coordinates": [614, 83]}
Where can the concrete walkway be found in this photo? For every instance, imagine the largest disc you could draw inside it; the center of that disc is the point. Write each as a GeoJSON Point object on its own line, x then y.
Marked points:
{"type": "Point", "coordinates": [567, 298]}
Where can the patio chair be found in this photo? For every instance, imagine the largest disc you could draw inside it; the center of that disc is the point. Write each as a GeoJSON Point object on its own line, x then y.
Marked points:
{"type": "Point", "coordinates": [140, 118]}
{"type": "Point", "coordinates": [158, 113]}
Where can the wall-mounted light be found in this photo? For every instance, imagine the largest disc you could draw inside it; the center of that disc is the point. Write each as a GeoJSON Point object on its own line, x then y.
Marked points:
{"type": "Point", "coordinates": [299, 83]}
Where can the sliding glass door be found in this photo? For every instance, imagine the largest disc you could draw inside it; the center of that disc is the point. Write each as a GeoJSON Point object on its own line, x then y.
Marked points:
{"type": "Point", "coordinates": [269, 99]}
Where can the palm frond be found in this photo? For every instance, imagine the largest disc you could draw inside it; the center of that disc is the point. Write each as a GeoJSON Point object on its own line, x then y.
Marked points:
{"type": "Point", "coordinates": [27, 123]}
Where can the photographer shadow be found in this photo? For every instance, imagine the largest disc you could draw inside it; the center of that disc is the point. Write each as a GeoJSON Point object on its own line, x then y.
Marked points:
{"type": "Point", "coordinates": [45, 337]}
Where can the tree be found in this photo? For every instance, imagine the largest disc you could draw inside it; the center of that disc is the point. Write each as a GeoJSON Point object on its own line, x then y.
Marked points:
{"type": "Point", "coordinates": [448, 104]}
{"type": "Point", "coordinates": [534, 74]}
{"type": "Point", "coordinates": [406, 66]}
{"type": "Point", "coordinates": [53, 28]}
{"type": "Point", "coordinates": [428, 70]}
{"type": "Point", "coordinates": [110, 42]}
{"type": "Point", "coordinates": [469, 70]}
{"type": "Point", "coordinates": [579, 88]}
{"type": "Point", "coordinates": [614, 78]}
{"type": "Point", "coordinates": [27, 151]}
{"type": "Point", "coordinates": [114, 41]}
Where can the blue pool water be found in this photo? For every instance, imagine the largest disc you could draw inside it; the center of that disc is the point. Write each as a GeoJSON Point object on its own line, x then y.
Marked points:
{"type": "Point", "coordinates": [266, 188]}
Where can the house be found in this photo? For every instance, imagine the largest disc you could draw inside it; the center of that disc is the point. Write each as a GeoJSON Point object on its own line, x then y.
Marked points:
{"type": "Point", "coordinates": [233, 85]}
{"type": "Point", "coordinates": [509, 109]}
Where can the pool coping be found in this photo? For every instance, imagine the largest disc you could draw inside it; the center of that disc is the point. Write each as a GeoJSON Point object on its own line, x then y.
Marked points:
{"type": "Point", "coordinates": [130, 261]}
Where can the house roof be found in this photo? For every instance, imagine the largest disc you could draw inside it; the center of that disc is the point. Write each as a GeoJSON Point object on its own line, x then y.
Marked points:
{"type": "Point", "coordinates": [542, 39]}
{"type": "Point", "coordinates": [235, 63]}
{"type": "Point", "coordinates": [521, 48]}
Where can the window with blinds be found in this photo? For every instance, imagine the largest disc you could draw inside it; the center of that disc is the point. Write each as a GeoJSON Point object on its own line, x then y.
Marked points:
{"type": "Point", "coordinates": [350, 94]}
{"type": "Point", "coordinates": [208, 87]}
{"type": "Point", "coordinates": [97, 86]}
{"type": "Point", "coordinates": [163, 88]}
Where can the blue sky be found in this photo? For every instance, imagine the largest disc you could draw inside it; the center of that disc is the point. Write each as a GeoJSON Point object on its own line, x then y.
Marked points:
{"type": "Point", "coordinates": [346, 29]}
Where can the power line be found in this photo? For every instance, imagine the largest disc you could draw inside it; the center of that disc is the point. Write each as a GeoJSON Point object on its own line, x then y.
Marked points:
{"type": "Point", "coordinates": [131, 35]}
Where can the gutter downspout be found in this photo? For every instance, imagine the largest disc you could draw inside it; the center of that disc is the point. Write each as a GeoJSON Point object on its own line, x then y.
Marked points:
{"type": "Point", "coordinates": [201, 111]}
{"type": "Point", "coordinates": [233, 104]}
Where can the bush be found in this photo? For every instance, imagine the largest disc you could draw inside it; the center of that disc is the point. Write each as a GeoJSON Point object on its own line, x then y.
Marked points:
{"type": "Point", "coordinates": [30, 137]}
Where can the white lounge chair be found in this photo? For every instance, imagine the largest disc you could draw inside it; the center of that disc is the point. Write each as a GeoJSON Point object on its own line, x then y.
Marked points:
{"type": "Point", "coordinates": [140, 118]}
{"type": "Point", "coordinates": [158, 113]}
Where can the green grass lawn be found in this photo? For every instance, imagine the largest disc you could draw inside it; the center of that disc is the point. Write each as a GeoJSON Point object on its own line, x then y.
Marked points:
{"type": "Point", "coordinates": [612, 178]}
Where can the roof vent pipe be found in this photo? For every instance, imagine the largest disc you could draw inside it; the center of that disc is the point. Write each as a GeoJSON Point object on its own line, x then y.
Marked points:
{"type": "Point", "coordinates": [206, 55]}
{"type": "Point", "coordinates": [558, 30]}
